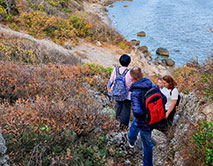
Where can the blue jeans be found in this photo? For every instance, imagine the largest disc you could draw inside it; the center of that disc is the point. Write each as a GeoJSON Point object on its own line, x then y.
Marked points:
{"type": "Point", "coordinates": [146, 142]}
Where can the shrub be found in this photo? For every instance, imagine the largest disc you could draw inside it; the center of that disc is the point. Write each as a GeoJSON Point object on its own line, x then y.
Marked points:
{"type": "Point", "coordinates": [57, 3]}
{"type": "Point", "coordinates": [82, 29]}
{"type": "Point", "coordinates": [16, 50]}
{"type": "Point", "coordinates": [50, 115]}
{"type": "Point", "coordinates": [40, 25]}
{"type": "Point", "coordinates": [203, 140]}
{"type": "Point", "coordinates": [3, 13]}
{"type": "Point", "coordinates": [124, 45]}
{"type": "Point", "coordinates": [97, 76]}
{"type": "Point", "coordinates": [185, 77]}
{"type": "Point", "coordinates": [17, 82]}
{"type": "Point", "coordinates": [207, 79]}
{"type": "Point", "coordinates": [197, 79]}
{"type": "Point", "coordinates": [30, 52]}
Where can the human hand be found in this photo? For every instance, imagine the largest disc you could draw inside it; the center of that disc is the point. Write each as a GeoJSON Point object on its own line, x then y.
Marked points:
{"type": "Point", "coordinates": [109, 90]}
{"type": "Point", "coordinates": [167, 114]}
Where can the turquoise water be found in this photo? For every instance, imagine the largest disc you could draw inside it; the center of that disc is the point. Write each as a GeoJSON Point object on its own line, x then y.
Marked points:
{"type": "Point", "coordinates": [183, 25]}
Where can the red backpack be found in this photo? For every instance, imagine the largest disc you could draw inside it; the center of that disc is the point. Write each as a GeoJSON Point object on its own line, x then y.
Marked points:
{"type": "Point", "coordinates": [155, 109]}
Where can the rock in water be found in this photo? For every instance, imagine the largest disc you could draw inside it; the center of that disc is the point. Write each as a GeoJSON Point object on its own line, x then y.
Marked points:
{"type": "Point", "coordinates": [162, 51]}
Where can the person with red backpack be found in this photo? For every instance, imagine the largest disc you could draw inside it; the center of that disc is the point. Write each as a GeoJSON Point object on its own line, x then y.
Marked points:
{"type": "Point", "coordinates": [148, 109]}
{"type": "Point", "coordinates": [118, 88]}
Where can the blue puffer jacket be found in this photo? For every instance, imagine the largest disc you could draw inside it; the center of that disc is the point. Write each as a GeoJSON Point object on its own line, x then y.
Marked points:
{"type": "Point", "coordinates": [138, 89]}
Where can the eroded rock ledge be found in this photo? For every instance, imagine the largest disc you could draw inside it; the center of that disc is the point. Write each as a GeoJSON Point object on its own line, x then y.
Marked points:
{"type": "Point", "coordinates": [3, 149]}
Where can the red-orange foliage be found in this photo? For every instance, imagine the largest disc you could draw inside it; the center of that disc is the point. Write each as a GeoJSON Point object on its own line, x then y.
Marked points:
{"type": "Point", "coordinates": [50, 94]}
{"type": "Point", "coordinates": [49, 99]}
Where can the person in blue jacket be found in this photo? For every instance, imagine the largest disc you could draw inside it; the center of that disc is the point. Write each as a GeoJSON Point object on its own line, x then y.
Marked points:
{"type": "Point", "coordinates": [138, 107]}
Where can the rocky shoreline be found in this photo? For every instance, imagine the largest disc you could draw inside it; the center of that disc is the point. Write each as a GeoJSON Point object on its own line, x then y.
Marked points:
{"type": "Point", "coordinates": [99, 8]}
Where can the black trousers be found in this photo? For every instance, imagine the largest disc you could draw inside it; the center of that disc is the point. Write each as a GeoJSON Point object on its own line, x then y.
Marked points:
{"type": "Point", "coordinates": [123, 109]}
{"type": "Point", "coordinates": [171, 117]}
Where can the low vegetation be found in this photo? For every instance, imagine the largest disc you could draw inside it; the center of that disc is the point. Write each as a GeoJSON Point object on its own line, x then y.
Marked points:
{"type": "Point", "coordinates": [49, 117]}
{"type": "Point", "coordinates": [204, 142]}
{"type": "Point", "coordinates": [61, 21]}
{"type": "Point", "coordinates": [197, 78]}
{"type": "Point", "coordinates": [26, 51]}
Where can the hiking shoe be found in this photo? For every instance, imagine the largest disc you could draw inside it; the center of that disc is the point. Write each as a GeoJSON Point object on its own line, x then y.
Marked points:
{"type": "Point", "coordinates": [131, 145]}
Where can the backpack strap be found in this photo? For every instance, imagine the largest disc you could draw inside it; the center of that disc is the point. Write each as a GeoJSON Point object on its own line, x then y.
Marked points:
{"type": "Point", "coordinates": [117, 71]}
{"type": "Point", "coordinates": [124, 73]}
{"type": "Point", "coordinates": [171, 91]}
{"type": "Point", "coordinates": [151, 89]}
{"type": "Point", "coordinates": [144, 91]}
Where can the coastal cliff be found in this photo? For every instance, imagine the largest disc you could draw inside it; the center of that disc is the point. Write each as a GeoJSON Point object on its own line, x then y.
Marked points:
{"type": "Point", "coordinates": [53, 97]}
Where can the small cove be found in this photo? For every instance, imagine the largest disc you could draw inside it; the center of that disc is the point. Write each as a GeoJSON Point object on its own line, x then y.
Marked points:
{"type": "Point", "coordinates": [183, 27]}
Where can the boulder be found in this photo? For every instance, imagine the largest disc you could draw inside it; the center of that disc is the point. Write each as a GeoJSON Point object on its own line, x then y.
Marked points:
{"type": "Point", "coordinates": [168, 62]}
{"type": "Point", "coordinates": [156, 61]}
{"type": "Point", "coordinates": [3, 158]}
{"type": "Point", "coordinates": [135, 42]}
{"type": "Point", "coordinates": [162, 51]}
{"type": "Point", "coordinates": [207, 110]}
{"type": "Point", "coordinates": [142, 34]}
{"type": "Point", "coordinates": [2, 144]}
{"type": "Point", "coordinates": [143, 49]}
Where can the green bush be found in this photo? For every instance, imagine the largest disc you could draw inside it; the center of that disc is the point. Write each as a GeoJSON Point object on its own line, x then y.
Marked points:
{"type": "Point", "coordinates": [98, 69]}
{"type": "Point", "coordinates": [3, 13]}
{"type": "Point", "coordinates": [207, 80]}
{"type": "Point", "coordinates": [61, 148]}
{"type": "Point", "coordinates": [97, 76]}
{"type": "Point", "coordinates": [203, 140]}
{"type": "Point", "coordinates": [81, 27]}
{"type": "Point", "coordinates": [57, 3]}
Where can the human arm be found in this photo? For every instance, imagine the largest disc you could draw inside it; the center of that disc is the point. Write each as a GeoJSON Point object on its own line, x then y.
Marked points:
{"type": "Point", "coordinates": [171, 108]}
{"type": "Point", "coordinates": [110, 81]}
{"type": "Point", "coordinates": [109, 84]}
{"type": "Point", "coordinates": [136, 98]}
{"type": "Point", "coordinates": [174, 97]}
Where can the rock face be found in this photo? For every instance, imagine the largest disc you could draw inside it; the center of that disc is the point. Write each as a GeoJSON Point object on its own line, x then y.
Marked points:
{"type": "Point", "coordinates": [162, 51]}
{"type": "Point", "coordinates": [142, 34]}
{"type": "Point", "coordinates": [3, 159]}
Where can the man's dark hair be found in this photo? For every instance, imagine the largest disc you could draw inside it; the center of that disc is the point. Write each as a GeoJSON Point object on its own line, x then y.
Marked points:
{"type": "Point", "coordinates": [125, 60]}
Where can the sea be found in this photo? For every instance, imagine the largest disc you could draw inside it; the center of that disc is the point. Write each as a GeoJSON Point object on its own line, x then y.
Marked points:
{"type": "Point", "coordinates": [183, 27]}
